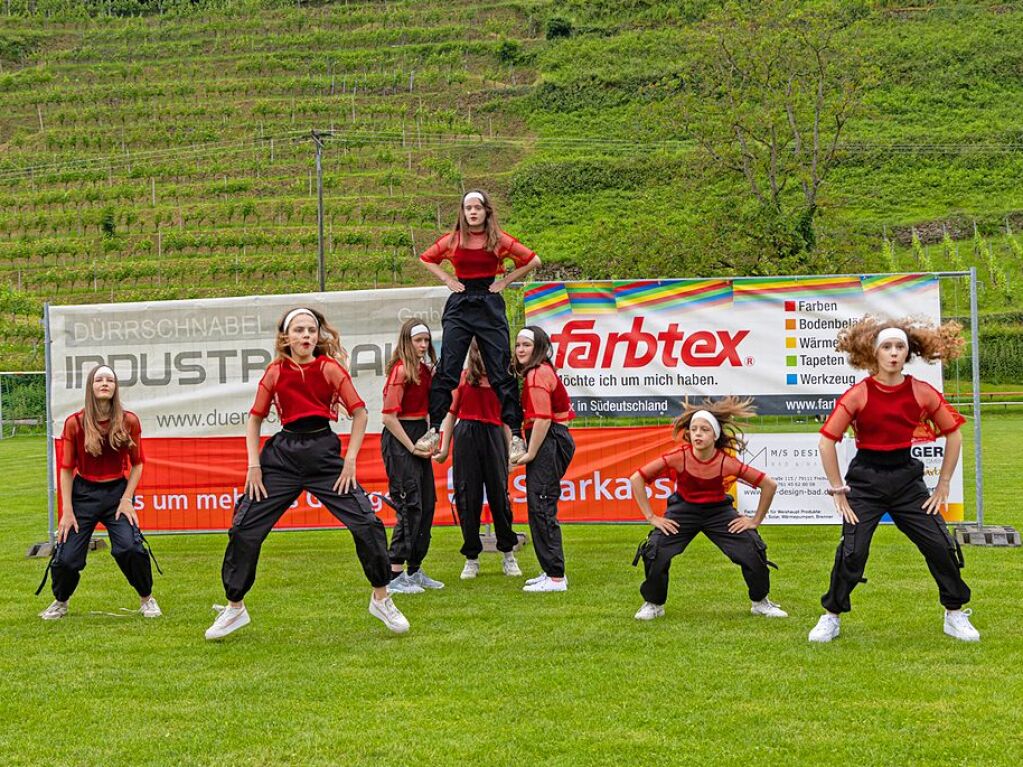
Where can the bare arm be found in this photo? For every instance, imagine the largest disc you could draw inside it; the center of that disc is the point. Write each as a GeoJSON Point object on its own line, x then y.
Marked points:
{"type": "Point", "coordinates": [393, 425]}
{"type": "Point", "coordinates": [540, 428]}
{"type": "Point", "coordinates": [829, 460]}
{"type": "Point", "coordinates": [768, 487]}
{"type": "Point", "coordinates": [254, 474]}
{"type": "Point", "coordinates": [442, 276]}
{"type": "Point", "coordinates": [939, 498]}
{"type": "Point", "coordinates": [665, 525]}
{"type": "Point", "coordinates": [127, 503]}
{"type": "Point", "coordinates": [446, 429]}
{"type": "Point", "coordinates": [517, 274]}
{"type": "Point", "coordinates": [67, 512]}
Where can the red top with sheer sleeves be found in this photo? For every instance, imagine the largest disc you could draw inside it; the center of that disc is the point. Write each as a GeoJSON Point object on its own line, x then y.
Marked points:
{"type": "Point", "coordinates": [317, 388]}
{"type": "Point", "coordinates": [111, 463]}
{"type": "Point", "coordinates": [476, 403]}
{"type": "Point", "coordinates": [471, 259]}
{"type": "Point", "coordinates": [545, 396]}
{"type": "Point", "coordinates": [699, 481]}
{"type": "Point", "coordinates": [891, 417]}
{"type": "Point", "coordinates": [404, 398]}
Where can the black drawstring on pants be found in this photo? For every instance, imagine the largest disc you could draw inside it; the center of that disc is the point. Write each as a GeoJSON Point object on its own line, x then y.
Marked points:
{"type": "Point", "coordinates": [149, 550]}
{"type": "Point", "coordinates": [49, 566]}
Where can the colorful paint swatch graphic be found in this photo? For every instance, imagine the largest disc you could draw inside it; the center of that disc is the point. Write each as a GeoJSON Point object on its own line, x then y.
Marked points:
{"type": "Point", "coordinates": [545, 301]}
{"type": "Point", "coordinates": [670, 295]}
{"type": "Point", "coordinates": [591, 297]}
{"type": "Point", "coordinates": [782, 288]}
{"type": "Point", "coordinates": [898, 283]}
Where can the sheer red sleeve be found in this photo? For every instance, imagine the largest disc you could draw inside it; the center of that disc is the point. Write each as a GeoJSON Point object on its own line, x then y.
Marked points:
{"type": "Point", "coordinates": [69, 439]}
{"type": "Point", "coordinates": [511, 248]}
{"type": "Point", "coordinates": [394, 389]}
{"type": "Point", "coordinates": [135, 454]}
{"type": "Point", "coordinates": [540, 384]}
{"type": "Point", "coordinates": [733, 467]}
{"type": "Point", "coordinates": [439, 251]}
{"type": "Point", "coordinates": [939, 417]}
{"type": "Point", "coordinates": [344, 390]}
{"type": "Point", "coordinates": [844, 413]}
{"type": "Point", "coordinates": [265, 391]}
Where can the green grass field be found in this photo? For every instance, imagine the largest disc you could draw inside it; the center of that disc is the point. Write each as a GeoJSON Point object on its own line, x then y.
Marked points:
{"type": "Point", "coordinates": [492, 676]}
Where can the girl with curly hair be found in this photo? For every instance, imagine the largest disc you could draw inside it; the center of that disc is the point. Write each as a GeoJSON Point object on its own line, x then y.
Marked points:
{"type": "Point", "coordinates": [889, 412]}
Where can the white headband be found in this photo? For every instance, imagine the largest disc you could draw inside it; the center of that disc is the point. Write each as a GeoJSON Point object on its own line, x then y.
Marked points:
{"type": "Point", "coordinates": [294, 313]}
{"type": "Point", "coordinates": [707, 416]}
{"type": "Point", "coordinates": [104, 369]}
{"type": "Point", "coordinates": [527, 333]}
{"type": "Point", "coordinates": [891, 333]}
{"type": "Point", "coordinates": [420, 329]}
{"type": "Point", "coordinates": [473, 196]}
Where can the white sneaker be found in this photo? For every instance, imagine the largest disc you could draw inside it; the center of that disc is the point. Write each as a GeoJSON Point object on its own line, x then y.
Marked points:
{"type": "Point", "coordinates": [649, 611]}
{"type": "Point", "coordinates": [230, 620]}
{"type": "Point", "coordinates": [537, 579]}
{"type": "Point", "coordinates": [471, 569]}
{"type": "Point", "coordinates": [428, 442]}
{"type": "Point", "coordinates": [150, 609]}
{"type": "Point", "coordinates": [547, 584]}
{"type": "Point", "coordinates": [404, 585]}
{"type": "Point", "coordinates": [511, 565]}
{"type": "Point", "coordinates": [391, 616]}
{"type": "Point", "coordinates": [516, 449]}
{"type": "Point", "coordinates": [826, 629]}
{"type": "Point", "coordinates": [957, 624]}
{"type": "Point", "coordinates": [768, 609]}
{"type": "Point", "coordinates": [54, 612]}
{"type": "Point", "coordinates": [424, 581]}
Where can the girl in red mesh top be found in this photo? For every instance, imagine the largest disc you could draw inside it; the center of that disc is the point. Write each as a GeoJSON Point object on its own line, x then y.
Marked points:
{"type": "Point", "coordinates": [549, 451]}
{"type": "Point", "coordinates": [99, 443]}
{"type": "Point", "coordinates": [480, 462]}
{"type": "Point", "coordinates": [307, 384]}
{"type": "Point", "coordinates": [703, 468]}
{"type": "Point", "coordinates": [409, 470]}
{"type": "Point", "coordinates": [889, 411]}
{"type": "Point", "coordinates": [477, 249]}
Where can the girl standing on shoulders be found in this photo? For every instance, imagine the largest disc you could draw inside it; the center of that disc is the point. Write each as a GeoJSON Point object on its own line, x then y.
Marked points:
{"type": "Point", "coordinates": [477, 249]}
{"type": "Point", "coordinates": [307, 384]}
{"type": "Point", "coordinates": [890, 411]}
{"type": "Point", "coordinates": [100, 442]}
{"type": "Point", "coordinates": [480, 462]}
{"type": "Point", "coordinates": [409, 470]}
{"type": "Point", "coordinates": [703, 468]}
{"type": "Point", "coordinates": [549, 451]}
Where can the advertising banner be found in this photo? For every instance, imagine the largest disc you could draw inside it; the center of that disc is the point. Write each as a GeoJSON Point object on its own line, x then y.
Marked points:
{"type": "Point", "coordinates": [639, 348]}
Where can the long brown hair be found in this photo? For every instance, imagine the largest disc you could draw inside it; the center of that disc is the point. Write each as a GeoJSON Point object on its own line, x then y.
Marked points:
{"type": "Point", "coordinates": [475, 371]}
{"type": "Point", "coordinates": [329, 342]}
{"type": "Point", "coordinates": [927, 341]}
{"type": "Point", "coordinates": [543, 352]}
{"type": "Point", "coordinates": [116, 431]}
{"type": "Point", "coordinates": [405, 352]}
{"type": "Point", "coordinates": [728, 411]}
{"type": "Point", "coordinates": [490, 225]}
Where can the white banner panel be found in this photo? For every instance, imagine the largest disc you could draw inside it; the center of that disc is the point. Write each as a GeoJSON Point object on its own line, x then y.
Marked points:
{"type": "Point", "coordinates": [639, 348]}
{"type": "Point", "coordinates": [190, 368]}
{"type": "Point", "coordinates": [792, 460]}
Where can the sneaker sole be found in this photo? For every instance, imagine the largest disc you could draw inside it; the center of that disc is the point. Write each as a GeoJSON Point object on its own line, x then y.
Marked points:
{"type": "Point", "coordinates": [961, 638]}
{"type": "Point", "coordinates": [230, 629]}
{"type": "Point", "coordinates": [822, 640]}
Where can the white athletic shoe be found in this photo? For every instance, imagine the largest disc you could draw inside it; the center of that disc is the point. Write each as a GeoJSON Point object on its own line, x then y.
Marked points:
{"type": "Point", "coordinates": [391, 616]}
{"type": "Point", "coordinates": [428, 442]}
{"type": "Point", "coordinates": [536, 579]}
{"type": "Point", "coordinates": [424, 581]}
{"type": "Point", "coordinates": [768, 609]}
{"type": "Point", "coordinates": [957, 624]}
{"type": "Point", "coordinates": [516, 449]}
{"type": "Point", "coordinates": [826, 629]}
{"type": "Point", "coordinates": [547, 584]}
{"type": "Point", "coordinates": [230, 620]}
{"type": "Point", "coordinates": [404, 585]}
{"type": "Point", "coordinates": [150, 609]}
{"type": "Point", "coordinates": [649, 611]}
{"type": "Point", "coordinates": [54, 612]}
{"type": "Point", "coordinates": [471, 569]}
{"type": "Point", "coordinates": [511, 565]}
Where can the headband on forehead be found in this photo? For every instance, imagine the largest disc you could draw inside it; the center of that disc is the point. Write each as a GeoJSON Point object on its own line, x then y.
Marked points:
{"type": "Point", "coordinates": [889, 334]}
{"type": "Point", "coordinates": [473, 196]}
{"type": "Point", "coordinates": [294, 313]}
{"type": "Point", "coordinates": [707, 416]}
{"type": "Point", "coordinates": [527, 333]}
{"type": "Point", "coordinates": [103, 369]}
{"type": "Point", "coordinates": [420, 329]}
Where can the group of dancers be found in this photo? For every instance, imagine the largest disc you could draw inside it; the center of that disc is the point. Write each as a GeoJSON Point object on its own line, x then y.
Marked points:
{"type": "Point", "coordinates": [468, 405]}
